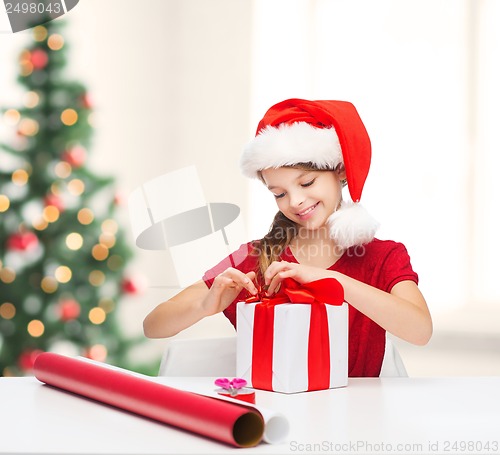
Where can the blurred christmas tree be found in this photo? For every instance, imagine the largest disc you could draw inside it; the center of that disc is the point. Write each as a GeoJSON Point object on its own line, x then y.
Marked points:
{"type": "Point", "coordinates": [62, 254]}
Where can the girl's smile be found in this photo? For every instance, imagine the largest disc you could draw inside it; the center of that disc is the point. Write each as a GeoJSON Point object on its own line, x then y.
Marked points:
{"type": "Point", "coordinates": [307, 213]}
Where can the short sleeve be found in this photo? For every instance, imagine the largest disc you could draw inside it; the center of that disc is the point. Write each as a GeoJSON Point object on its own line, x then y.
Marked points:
{"type": "Point", "coordinates": [244, 259]}
{"type": "Point", "coordinates": [396, 267]}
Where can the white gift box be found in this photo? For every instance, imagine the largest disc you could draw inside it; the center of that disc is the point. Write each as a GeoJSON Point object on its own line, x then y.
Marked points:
{"type": "Point", "coordinates": [290, 345]}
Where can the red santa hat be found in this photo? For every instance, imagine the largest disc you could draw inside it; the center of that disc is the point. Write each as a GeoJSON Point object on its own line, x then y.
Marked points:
{"type": "Point", "coordinates": [326, 134]}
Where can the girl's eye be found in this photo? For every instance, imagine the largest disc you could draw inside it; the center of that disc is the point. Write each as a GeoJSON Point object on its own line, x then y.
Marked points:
{"type": "Point", "coordinates": [304, 185]}
{"type": "Point", "coordinates": [279, 196]}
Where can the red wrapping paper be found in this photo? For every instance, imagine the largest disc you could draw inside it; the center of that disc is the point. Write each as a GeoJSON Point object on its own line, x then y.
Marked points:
{"type": "Point", "coordinates": [231, 423]}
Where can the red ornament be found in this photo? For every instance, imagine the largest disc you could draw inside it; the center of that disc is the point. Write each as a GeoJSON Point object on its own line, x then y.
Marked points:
{"type": "Point", "coordinates": [98, 352]}
{"type": "Point", "coordinates": [119, 199]}
{"type": "Point", "coordinates": [133, 285]}
{"type": "Point", "coordinates": [22, 241]}
{"type": "Point", "coordinates": [27, 359]}
{"type": "Point", "coordinates": [39, 59]}
{"type": "Point", "coordinates": [75, 156]}
{"type": "Point", "coordinates": [128, 286]}
{"type": "Point", "coordinates": [86, 101]}
{"type": "Point", "coordinates": [56, 201]}
{"type": "Point", "coordinates": [68, 309]}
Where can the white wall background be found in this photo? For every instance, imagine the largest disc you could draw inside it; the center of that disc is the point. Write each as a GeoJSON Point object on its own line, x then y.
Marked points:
{"type": "Point", "coordinates": [181, 82]}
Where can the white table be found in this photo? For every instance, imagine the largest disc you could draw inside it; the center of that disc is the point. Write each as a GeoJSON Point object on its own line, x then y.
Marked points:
{"type": "Point", "coordinates": [426, 416]}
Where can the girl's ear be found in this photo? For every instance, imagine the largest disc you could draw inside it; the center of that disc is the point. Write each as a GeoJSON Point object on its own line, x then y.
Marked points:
{"type": "Point", "coordinates": [340, 170]}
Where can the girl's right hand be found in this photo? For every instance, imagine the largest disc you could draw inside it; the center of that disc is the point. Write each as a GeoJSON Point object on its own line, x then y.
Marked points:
{"type": "Point", "coordinates": [226, 288]}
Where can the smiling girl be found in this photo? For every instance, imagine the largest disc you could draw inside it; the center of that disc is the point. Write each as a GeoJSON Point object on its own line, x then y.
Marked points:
{"type": "Point", "coordinates": [304, 153]}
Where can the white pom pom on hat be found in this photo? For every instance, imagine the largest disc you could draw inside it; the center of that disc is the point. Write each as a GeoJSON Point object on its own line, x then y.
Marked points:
{"type": "Point", "coordinates": [352, 225]}
{"type": "Point", "coordinates": [325, 133]}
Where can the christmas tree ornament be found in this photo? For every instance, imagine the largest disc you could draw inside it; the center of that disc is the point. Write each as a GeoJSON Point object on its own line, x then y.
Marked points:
{"type": "Point", "coordinates": [20, 177]}
{"type": "Point", "coordinates": [39, 59]}
{"type": "Point", "coordinates": [28, 127]}
{"type": "Point", "coordinates": [86, 101]}
{"type": "Point", "coordinates": [22, 241]}
{"type": "Point", "coordinates": [134, 285]}
{"type": "Point", "coordinates": [33, 304]}
{"type": "Point", "coordinates": [63, 274]}
{"type": "Point", "coordinates": [62, 169]}
{"type": "Point", "coordinates": [40, 33]}
{"type": "Point", "coordinates": [51, 213]}
{"type": "Point", "coordinates": [36, 328]}
{"type": "Point", "coordinates": [53, 200]}
{"type": "Point", "coordinates": [119, 198]}
{"type": "Point", "coordinates": [97, 352]}
{"type": "Point", "coordinates": [49, 284]}
{"type": "Point", "coordinates": [68, 309]}
{"type": "Point", "coordinates": [55, 42]}
{"type": "Point", "coordinates": [31, 99]}
{"type": "Point", "coordinates": [108, 240]}
{"type": "Point", "coordinates": [27, 359]}
{"type": "Point", "coordinates": [69, 117]}
{"type": "Point", "coordinates": [75, 156]}
{"type": "Point", "coordinates": [100, 252]}
{"type": "Point", "coordinates": [85, 216]}
{"type": "Point", "coordinates": [7, 310]}
{"type": "Point", "coordinates": [74, 241]}
{"type": "Point", "coordinates": [97, 315]}
{"type": "Point", "coordinates": [4, 203]}
{"type": "Point", "coordinates": [76, 187]}
{"type": "Point", "coordinates": [11, 117]}
{"type": "Point", "coordinates": [7, 275]}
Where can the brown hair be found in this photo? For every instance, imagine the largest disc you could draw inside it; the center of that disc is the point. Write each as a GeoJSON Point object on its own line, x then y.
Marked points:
{"type": "Point", "coordinates": [283, 230]}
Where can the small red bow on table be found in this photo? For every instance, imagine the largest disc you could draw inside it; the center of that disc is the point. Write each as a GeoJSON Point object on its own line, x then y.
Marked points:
{"type": "Point", "coordinates": [232, 386]}
{"type": "Point", "coordinates": [235, 388]}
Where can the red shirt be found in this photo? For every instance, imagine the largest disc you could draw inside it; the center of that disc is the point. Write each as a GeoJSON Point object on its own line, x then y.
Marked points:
{"type": "Point", "coordinates": [380, 263]}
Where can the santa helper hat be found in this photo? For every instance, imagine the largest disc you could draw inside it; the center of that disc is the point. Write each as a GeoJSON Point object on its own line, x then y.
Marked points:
{"type": "Point", "coordinates": [326, 134]}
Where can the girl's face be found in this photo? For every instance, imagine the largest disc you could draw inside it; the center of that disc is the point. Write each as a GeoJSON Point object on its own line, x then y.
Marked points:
{"type": "Point", "coordinates": [307, 197]}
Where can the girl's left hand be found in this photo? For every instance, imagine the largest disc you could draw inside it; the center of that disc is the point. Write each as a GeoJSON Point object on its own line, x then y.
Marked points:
{"type": "Point", "coordinates": [279, 270]}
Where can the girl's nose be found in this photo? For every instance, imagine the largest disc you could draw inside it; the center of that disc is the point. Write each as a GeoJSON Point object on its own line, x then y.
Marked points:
{"type": "Point", "coordinates": [296, 200]}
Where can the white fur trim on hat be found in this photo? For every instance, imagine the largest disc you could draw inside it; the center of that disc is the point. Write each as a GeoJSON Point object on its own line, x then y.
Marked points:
{"type": "Point", "coordinates": [352, 225]}
{"type": "Point", "coordinates": [286, 145]}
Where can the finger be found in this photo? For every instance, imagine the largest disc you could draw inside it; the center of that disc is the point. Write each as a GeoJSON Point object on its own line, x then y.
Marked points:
{"type": "Point", "coordinates": [241, 279]}
{"type": "Point", "coordinates": [273, 269]}
{"type": "Point", "coordinates": [222, 282]}
{"type": "Point", "coordinates": [278, 278]}
{"type": "Point", "coordinates": [274, 283]}
{"type": "Point", "coordinates": [249, 285]}
{"type": "Point", "coordinates": [252, 277]}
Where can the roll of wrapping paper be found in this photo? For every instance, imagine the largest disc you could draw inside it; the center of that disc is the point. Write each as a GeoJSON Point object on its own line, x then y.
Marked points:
{"type": "Point", "coordinates": [231, 423]}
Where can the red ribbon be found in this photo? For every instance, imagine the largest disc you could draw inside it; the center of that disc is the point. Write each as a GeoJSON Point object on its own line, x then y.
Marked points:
{"type": "Point", "coordinates": [317, 294]}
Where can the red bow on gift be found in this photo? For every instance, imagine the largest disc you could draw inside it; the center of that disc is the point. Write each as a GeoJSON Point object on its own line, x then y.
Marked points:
{"type": "Point", "coordinates": [317, 294]}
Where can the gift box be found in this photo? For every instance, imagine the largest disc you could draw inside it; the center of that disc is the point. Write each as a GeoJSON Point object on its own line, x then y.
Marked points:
{"type": "Point", "coordinates": [296, 341]}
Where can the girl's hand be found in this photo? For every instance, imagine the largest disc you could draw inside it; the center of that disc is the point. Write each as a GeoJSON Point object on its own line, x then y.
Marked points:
{"type": "Point", "coordinates": [226, 288]}
{"type": "Point", "coordinates": [279, 270]}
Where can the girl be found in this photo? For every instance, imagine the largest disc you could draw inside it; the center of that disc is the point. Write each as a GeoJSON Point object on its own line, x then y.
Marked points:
{"type": "Point", "coordinates": [304, 152]}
